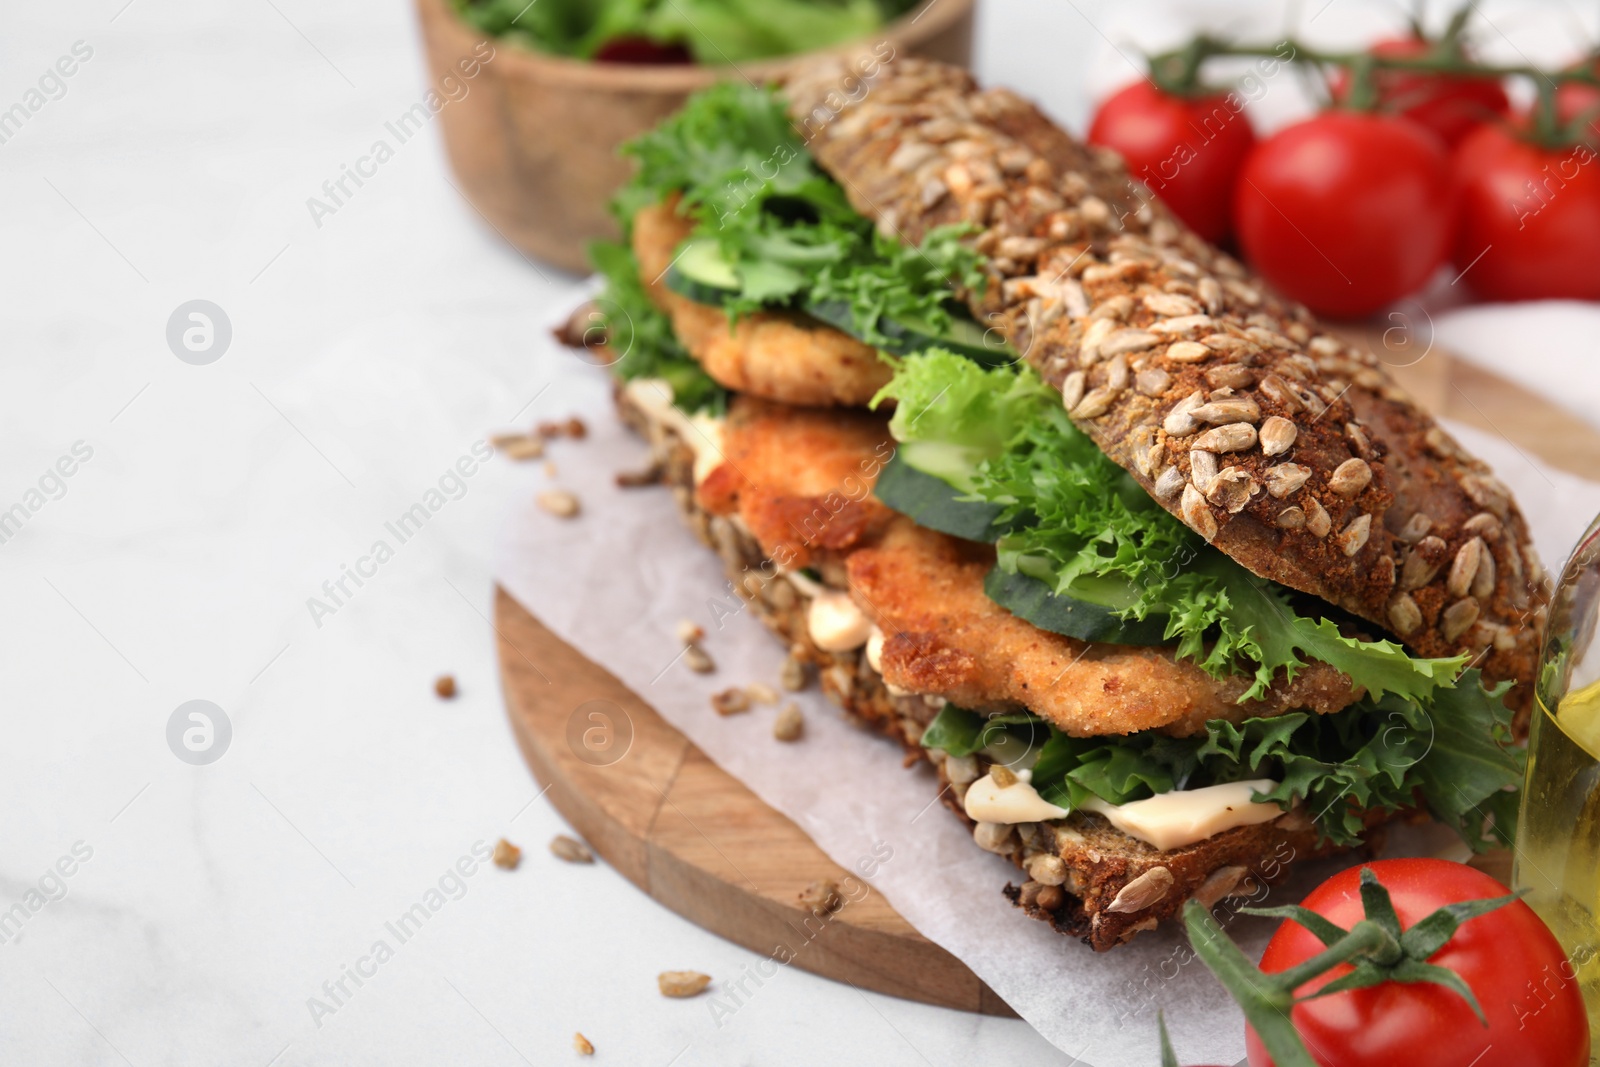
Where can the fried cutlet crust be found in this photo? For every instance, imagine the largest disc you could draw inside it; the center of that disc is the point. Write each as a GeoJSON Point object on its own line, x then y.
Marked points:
{"type": "Point", "coordinates": [779, 355]}
{"type": "Point", "coordinates": [800, 481]}
{"type": "Point", "coordinates": [945, 636]}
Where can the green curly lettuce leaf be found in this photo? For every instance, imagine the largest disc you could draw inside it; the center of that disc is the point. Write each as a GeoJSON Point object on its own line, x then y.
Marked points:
{"type": "Point", "coordinates": [783, 225]}
{"type": "Point", "coordinates": [1076, 521]}
{"type": "Point", "coordinates": [1450, 754]}
{"type": "Point", "coordinates": [716, 32]}
{"type": "Point", "coordinates": [961, 733]}
{"type": "Point", "coordinates": [643, 336]}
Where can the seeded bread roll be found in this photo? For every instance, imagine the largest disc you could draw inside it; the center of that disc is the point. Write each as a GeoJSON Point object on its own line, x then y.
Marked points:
{"type": "Point", "coordinates": [1281, 444]}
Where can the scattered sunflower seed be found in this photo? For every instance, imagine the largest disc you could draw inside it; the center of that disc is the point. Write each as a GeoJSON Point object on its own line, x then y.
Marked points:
{"type": "Point", "coordinates": [1404, 615]}
{"type": "Point", "coordinates": [790, 724]}
{"type": "Point", "coordinates": [1318, 521]}
{"type": "Point", "coordinates": [821, 897]}
{"type": "Point", "coordinates": [689, 632]}
{"type": "Point", "coordinates": [761, 693]}
{"type": "Point", "coordinates": [1231, 437]}
{"type": "Point", "coordinates": [583, 1045]}
{"type": "Point", "coordinates": [570, 849]}
{"type": "Point", "coordinates": [1458, 618]}
{"type": "Point", "coordinates": [1003, 776]}
{"type": "Point", "coordinates": [1050, 897]}
{"type": "Point", "coordinates": [696, 659]}
{"type": "Point", "coordinates": [559, 502]}
{"type": "Point", "coordinates": [1277, 435]}
{"type": "Point", "coordinates": [573, 428]}
{"type": "Point", "coordinates": [524, 449]}
{"type": "Point", "coordinates": [682, 983]}
{"type": "Point", "coordinates": [651, 475]}
{"type": "Point", "coordinates": [518, 446]}
{"type": "Point", "coordinates": [506, 855]}
{"type": "Point", "coordinates": [996, 837]}
{"type": "Point", "coordinates": [445, 686]}
{"type": "Point", "coordinates": [730, 702]}
{"type": "Point", "coordinates": [1350, 477]}
{"type": "Point", "coordinates": [1047, 869]}
{"type": "Point", "coordinates": [793, 676]}
{"type": "Point", "coordinates": [1149, 888]}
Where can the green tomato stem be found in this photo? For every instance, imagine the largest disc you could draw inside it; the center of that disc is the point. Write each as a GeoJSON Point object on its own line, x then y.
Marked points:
{"type": "Point", "coordinates": [1374, 947]}
{"type": "Point", "coordinates": [1363, 94]}
{"type": "Point", "coordinates": [1263, 998]}
{"type": "Point", "coordinates": [1448, 60]}
{"type": "Point", "coordinates": [1366, 938]}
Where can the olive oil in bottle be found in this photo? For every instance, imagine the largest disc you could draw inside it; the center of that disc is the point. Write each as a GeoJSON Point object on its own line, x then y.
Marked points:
{"type": "Point", "coordinates": [1558, 838]}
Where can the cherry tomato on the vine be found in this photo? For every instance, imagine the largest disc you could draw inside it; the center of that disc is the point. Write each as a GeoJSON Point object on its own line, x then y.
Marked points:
{"type": "Point", "coordinates": [1452, 106]}
{"type": "Point", "coordinates": [1530, 218]}
{"type": "Point", "coordinates": [1346, 212]}
{"type": "Point", "coordinates": [1188, 150]}
{"type": "Point", "coordinates": [1509, 958]}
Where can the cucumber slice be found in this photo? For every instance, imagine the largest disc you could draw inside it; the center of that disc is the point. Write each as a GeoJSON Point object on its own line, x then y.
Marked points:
{"type": "Point", "coordinates": [1030, 599]}
{"type": "Point", "coordinates": [964, 337]}
{"type": "Point", "coordinates": [932, 502]}
{"type": "Point", "coordinates": [702, 274]}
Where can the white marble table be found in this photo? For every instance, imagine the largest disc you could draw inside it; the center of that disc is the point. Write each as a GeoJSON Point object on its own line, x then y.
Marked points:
{"type": "Point", "coordinates": [213, 913]}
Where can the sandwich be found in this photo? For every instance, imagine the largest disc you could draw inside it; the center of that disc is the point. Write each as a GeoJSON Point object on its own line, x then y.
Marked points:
{"type": "Point", "coordinates": [1171, 585]}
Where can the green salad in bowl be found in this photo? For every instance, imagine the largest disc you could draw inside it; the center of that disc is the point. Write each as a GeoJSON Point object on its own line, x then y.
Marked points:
{"type": "Point", "coordinates": [708, 32]}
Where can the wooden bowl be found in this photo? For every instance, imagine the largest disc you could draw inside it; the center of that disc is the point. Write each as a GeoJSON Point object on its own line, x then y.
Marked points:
{"type": "Point", "coordinates": [533, 138]}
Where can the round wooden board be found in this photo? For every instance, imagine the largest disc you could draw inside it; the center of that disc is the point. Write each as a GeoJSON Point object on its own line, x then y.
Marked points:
{"type": "Point", "coordinates": [669, 819]}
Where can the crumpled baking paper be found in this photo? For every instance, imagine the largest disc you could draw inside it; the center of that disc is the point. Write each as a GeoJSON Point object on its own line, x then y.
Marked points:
{"type": "Point", "coordinates": [615, 581]}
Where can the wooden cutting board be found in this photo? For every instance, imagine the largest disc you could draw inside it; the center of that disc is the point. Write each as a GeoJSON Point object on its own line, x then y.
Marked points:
{"type": "Point", "coordinates": [699, 842]}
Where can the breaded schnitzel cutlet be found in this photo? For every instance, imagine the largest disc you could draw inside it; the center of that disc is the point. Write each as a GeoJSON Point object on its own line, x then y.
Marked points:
{"type": "Point", "coordinates": [776, 354]}
{"type": "Point", "coordinates": [800, 479]}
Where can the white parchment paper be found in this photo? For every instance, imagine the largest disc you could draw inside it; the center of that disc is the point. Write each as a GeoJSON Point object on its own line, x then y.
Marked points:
{"type": "Point", "coordinates": [615, 581]}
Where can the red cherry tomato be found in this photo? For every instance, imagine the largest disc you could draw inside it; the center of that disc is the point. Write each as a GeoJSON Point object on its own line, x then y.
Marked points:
{"type": "Point", "coordinates": [1450, 106]}
{"type": "Point", "coordinates": [1530, 218]}
{"type": "Point", "coordinates": [1346, 212]}
{"type": "Point", "coordinates": [1508, 957]}
{"type": "Point", "coordinates": [1188, 150]}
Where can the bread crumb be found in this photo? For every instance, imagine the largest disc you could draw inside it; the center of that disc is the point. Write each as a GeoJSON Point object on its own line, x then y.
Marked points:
{"type": "Point", "coordinates": [506, 855]}
{"type": "Point", "coordinates": [445, 686]}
